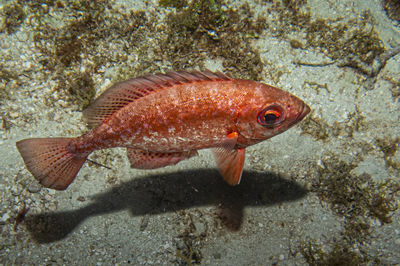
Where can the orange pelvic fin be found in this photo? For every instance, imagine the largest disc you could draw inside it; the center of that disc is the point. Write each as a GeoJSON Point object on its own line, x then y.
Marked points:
{"type": "Point", "coordinates": [151, 160]}
{"type": "Point", "coordinates": [230, 160]}
{"type": "Point", "coordinates": [50, 161]}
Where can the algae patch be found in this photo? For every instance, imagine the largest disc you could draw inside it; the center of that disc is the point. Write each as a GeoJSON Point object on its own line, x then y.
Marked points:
{"type": "Point", "coordinates": [173, 3]}
{"type": "Point", "coordinates": [359, 200]}
{"type": "Point", "coordinates": [341, 254]}
{"type": "Point", "coordinates": [390, 147]}
{"type": "Point", "coordinates": [86, 37]}
{"type": "Point", "coordinates": [350, 42]}
{"type": "Point", "coordinates": [6, 75]}
{"type": "Point", "coordinates": [189, 242]}
{"type": "Point", "coordinates": [392, 8]}
{"type": "Point", "coordinates": [12, 16]}
{"type": "Point", "coordinates": [355, 196]}
{"type": "Point", "coordinates": [321, 130]}
{"type": "Point", "coordinates": [211, 29]}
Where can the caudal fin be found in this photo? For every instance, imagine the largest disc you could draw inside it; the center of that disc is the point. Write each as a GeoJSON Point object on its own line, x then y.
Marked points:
{"type": "Point", "coordinates": [50, 161]}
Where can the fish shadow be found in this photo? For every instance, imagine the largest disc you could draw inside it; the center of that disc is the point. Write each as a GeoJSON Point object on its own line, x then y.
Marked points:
{"type": "Point", "coordinates": [164, 193]}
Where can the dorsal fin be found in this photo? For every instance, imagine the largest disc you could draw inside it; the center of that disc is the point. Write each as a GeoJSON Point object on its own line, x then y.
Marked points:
{"type": "Point", "coordinates": [123, 93]}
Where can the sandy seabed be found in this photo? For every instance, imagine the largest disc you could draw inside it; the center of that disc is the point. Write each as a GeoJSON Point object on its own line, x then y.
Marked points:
{"type": "Point", "coordinates": [185, 214]}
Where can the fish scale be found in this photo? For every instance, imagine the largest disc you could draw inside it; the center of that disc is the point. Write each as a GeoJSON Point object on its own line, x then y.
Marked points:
{"type": "Point", "coordinates": [162, 119]}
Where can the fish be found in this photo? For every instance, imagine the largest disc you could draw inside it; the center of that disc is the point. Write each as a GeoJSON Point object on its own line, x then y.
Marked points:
{"type": "Point", "coordinates": [164, 118]}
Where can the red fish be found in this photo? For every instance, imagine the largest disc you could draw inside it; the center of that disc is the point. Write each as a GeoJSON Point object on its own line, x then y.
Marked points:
{"type": "Point", "coordinates": [162, 119]}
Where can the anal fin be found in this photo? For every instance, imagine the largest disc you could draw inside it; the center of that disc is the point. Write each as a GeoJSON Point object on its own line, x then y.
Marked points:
{"type": "Point", "coordinates": [151, 160]}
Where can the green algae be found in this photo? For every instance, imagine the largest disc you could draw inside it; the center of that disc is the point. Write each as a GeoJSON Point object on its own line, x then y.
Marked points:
{"type": "Point", "coordinates": [392, 8]}
{"type": "Point", "coordinates": [340, 254]}
{"type": "Point", "coordinates": [395, 87]}
{"type": "Point", "coordinates": [195, 31]}
{"type": "Point", "coordinates": [355, 196]}
{"type": "Point", "coordinates": [210, 29]}
{"type": "Point", "coordinates": [390, 147]}
{"type": "Point", "coordinates": [6, 76]}
{"type": "Point", "coordinates": [12, 16]}
{"type": "Point", "coordinates": [351, 42]}
{"type": "Point", "coordinates": [75, 51]}
{"type": "Point", "coordinates": [189, 242]}
{"type": "Point", "coordinates": [173, 3]}
{"type": "Point", "coordinates": [10, 79]}
{"type": "Point", "coordinates": [320, 130]}
{"type": "Point", "coordinates": [359, 200]}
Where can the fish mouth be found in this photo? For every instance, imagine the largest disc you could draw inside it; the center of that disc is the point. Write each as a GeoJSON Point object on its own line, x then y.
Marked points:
{"type": "Point", "coordinates": [304, 111]}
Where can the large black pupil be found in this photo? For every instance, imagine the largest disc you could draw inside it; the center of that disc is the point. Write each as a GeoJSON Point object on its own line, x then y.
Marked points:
{"type": "Point", "coordinates": [270, 118]}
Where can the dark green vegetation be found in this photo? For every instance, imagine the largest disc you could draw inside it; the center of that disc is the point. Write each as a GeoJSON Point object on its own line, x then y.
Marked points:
{"type": "Point", "coordinates": [359, 200]}
{"type": "Point", "coordinates": [76, 39]}
{"type": "Point", "coordinates": [355, 197]}
{"type": "Point", "coordinates": [355, 45]}
{"type": "Point", "coordinates": [389, 147]}
{"type": "Point", "coordinates": [173, 3]}
{"type": "Point", "coordinates": [320, 130]}
{"type": "Point", "coordinates": [12, 16]}
{"type": "Point", "coordinates": [392, 8]}
{"type": "Point", "coordinates": [395, 89]}
{"type": "Point", "coordinates": [347, 42]}
{"type": "Point", "coordinates": [6, 75]}
{"type": "Point", "coordinates": [341, 254]}
{"type": "Point", "coordinates": [189, 242]}
{"type": "Point", "coordinates": [76, 51]}
{"type": "Point", "coordinates": [81, 39]}
{"type": "Point", "coordinates": [211, 29]}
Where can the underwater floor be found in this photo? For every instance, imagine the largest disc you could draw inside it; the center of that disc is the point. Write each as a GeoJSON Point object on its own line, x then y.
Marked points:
{"type": "Point", "coordinates": [325, 192]}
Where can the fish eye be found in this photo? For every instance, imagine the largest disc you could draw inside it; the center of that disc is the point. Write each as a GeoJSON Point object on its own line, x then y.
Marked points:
{"type": "Point", "coordinates": [270, 116]}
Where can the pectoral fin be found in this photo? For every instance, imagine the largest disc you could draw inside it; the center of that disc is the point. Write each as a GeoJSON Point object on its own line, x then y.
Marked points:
{"type": "Point", "coordinates": [151, 160]}
{"type": "Point", "coordinates": [230, 160]}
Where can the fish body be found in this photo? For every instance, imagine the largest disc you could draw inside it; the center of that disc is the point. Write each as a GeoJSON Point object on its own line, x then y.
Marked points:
{"type": "Point", "coordinates": [165, 118]}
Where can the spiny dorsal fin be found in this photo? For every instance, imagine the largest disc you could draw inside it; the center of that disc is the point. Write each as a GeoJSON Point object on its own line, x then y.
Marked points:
{"type": "Point", "coordinates": [123, 93]}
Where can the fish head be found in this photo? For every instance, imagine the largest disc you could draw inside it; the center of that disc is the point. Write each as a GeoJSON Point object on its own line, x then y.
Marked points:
{"type": "Point", "coordinates": [271, 113]}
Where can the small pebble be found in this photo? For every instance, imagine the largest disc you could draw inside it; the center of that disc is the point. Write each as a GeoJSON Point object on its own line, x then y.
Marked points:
{"type": "Point", "coordinates": [5, 217]}
{"type": "Point", "coordinates": [200, 228]}
{"type": "Point", "coordinates": [34, 187]}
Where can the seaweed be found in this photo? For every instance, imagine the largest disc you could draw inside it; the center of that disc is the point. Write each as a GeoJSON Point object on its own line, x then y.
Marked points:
{"type": "Point", "coordinates": [321, 130]}
{"type": "Point", "coordinates": [389, 147]}
{"type": "Point", "coordinates": [209, 29]}
{"type": "Point", "coordinates": [355, 196]}
{"type": "Point", "coordinates": [340, 254]}
{"type": "Point", "coordinates": [348, 42]}
{"type": "Point", "coordinates": [392, 8]}
{"type": "Point", "coordinates": [359, 200]}
{"type": "Point", "coordinates": [75, 52]}
{"type": "Point", "coordinates": [9, 80]}
{"type": "Point", "coordinates": [13, 16]}
{"type": "Point", "coordinates": [173, 3]}
{"type": "Point", "coordinates": [202, 29]}
{"type": "Point", "coordinates": [395, 88]}
{"type": "Point", "coordinates": [317, 128]}
{"type": "Point", "coordinates": [189, 242]}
